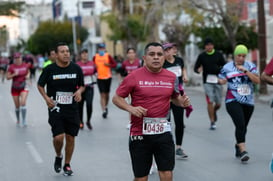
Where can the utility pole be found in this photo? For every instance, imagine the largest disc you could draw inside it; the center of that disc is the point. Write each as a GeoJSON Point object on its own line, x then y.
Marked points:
{"type": "Point", "coordinates": [262, 42]}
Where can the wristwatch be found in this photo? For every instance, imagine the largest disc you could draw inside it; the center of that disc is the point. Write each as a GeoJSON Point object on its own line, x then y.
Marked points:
{"type": "Point", "coordinates": [245, 71]}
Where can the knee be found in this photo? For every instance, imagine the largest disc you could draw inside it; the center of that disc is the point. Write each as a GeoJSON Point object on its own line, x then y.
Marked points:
{"type": "Point", "coordinates": [59, 138]}
{"type": "Point", "coordinates": [69, 138]}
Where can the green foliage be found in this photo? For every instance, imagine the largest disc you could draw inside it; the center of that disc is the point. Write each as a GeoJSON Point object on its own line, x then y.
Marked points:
{"type": "Point", "coordinates": [11, 8]}
{"type": "Point", "coordinates": [3, 36]}
{"type": "Point", "coordinates": [131, 27]}
{"type": "Point", "coordinates": [245, 35]}
{"type": "Point", "coordinates": [50, 33]}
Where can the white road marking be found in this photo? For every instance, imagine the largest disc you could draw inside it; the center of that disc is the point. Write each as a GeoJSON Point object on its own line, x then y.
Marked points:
{"type": "Point", "coordinates": [34, 153]}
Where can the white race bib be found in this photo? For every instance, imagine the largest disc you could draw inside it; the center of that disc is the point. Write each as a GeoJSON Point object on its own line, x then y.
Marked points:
{"type": "Point", "coordinates": [244, 90]}
{"type": "Point", "coordinates": [153, 126]}
{"type": "Point", "coordinates": [176, 70]}
{"type": "Point", "coordinates": [64, 97]}
{"type": "Point", "coordinates": [87, 79]}
{"type": "Point", "coordinates": [212, 79]}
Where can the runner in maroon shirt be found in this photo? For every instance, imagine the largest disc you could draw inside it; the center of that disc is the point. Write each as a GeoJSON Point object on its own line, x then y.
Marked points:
{"type": "Point", "coordinates": [88, 69]}
{"type": "Point", "coordinates": [151, 88]}
{"type": "Point", "coordinates": [128, 66]}
{"type": "Point", "coordinates": [132, 63]}
{"type": "Point", "coordinates": [19, 72]}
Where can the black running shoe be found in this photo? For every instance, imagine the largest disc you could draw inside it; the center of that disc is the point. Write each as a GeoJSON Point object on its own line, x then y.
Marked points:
{"type": "Point", "coordinates": [67, 170]}
{"type": "Point", "coordinates": [58, 164]}
{"type": "Point", "coordinates": [244, 156]}
{"type": "Point", "coordinates": [104, 114]}
{"type": "Point", "coordinates": [89, 126]}
{"type": "Point", "coordinates": [237, 151]}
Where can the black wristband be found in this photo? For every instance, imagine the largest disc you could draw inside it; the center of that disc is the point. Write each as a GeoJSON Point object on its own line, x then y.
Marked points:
{"type": "Point", "coordinates": [245, 71]}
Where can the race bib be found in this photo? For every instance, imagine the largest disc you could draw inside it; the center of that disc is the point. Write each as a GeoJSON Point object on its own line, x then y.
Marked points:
{"type": "Point", "coordinates": [153, 126]}
{"type": "Point", "coordinates": [212, 79]}
{"type": "Point", "coordinates": [89, 79]}
{"type": "Point", "coordinates": [176, 70]}
{"type": "Point", "coordinates": [244, 90]}
{"type": "Point", "coordinates": [64, 97]}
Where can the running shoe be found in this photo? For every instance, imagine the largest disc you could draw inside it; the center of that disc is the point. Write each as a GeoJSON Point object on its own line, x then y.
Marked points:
{"type": "Point", "coordinates": [58, 164]}
{"type": "Point", "coordinates": [67, 170]}
{"type": "Point", "coordinates": [237, 151]}
{"type": "Point", "coordinates": [180, 153]}
{"type": "Point", "coordinates": [244, 156]}
{"type": "Point", "coordinates": [212, 126]}
{"type": "Point", "coordinates": [89, 126]}
{"type": "Point", "coordinates": [104, 114]}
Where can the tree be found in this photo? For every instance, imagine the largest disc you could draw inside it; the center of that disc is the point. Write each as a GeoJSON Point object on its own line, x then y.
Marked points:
{"type": "Point", "coordinates": [11, 8]}
{"type": "Point", "coordinates": [262, 42]}
{"type": "Point", "coordinates": [127, 26]}
{"type": "Point", "coordinates": [3, 37]}
{"type": "Point", "coordinates": [130, 30]}
{"type": "Point", "coordinates": [225, 13]}
{"type": "Point", "coordinates": [49, 33]}
{"type": "Point", "coordinates": [245, 35]}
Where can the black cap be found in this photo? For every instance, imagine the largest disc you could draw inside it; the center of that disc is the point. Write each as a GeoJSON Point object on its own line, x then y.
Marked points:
{"type": "Point", "coordinates": [101, 45]}
{"type": "Point", "coordinates": [84, 50]}
{"type": "Point", "coordinates": [208, 40]}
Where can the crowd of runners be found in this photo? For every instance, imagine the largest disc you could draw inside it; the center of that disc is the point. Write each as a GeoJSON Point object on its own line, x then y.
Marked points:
{"type": "Point", "coordinates": [151, 88]}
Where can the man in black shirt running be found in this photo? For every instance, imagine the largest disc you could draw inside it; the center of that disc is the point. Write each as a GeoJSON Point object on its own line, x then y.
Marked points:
{"type": "Point", "coordinates": [210, 63]}
{"type": "Point", "coordinates": [64, 86]}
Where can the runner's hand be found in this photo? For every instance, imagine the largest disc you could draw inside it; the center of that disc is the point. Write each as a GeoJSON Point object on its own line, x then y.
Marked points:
{"type": "Point", "coordinates": [185, 101]}
{"type": "Point", "coordinates": [50, 102]}
{"type": "Point", "coordinates": [77, 96]}
{"type": "Point", "coordinates": [138, 111]}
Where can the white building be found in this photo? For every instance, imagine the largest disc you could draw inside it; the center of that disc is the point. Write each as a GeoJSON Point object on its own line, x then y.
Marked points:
{"type": "Point", "coordinates": [87, 13]}
{"type": "Point", "coordinates": [21, 28]}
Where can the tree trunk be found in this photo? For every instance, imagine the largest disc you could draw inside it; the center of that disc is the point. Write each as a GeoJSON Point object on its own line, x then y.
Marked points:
{"type": "Point", "coordinates": [262, 43]}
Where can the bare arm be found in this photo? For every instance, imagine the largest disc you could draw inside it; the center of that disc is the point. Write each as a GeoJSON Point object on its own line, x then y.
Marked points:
{"type": "Point", "coordinates": [50, 103]}
{"type": "Point", "coordinates": [253, 77]}
{"type": "Point", "coordinates": [11, 75]}
{"type": "Point", "coordinates": [267, 78]}
{"type": "Point", "coordinates": [137, 111]}
{"type": "Point", "coordinates": [222, 81]}
{"type": "Point", "coordinates": [185, 75]}
{"type": "Point", "coordinates": [78, 94]}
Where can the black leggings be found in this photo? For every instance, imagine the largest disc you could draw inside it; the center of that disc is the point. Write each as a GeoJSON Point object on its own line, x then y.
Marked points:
{"type": "Point", "coordinates": [240, 114]}
{"type": "Point", "coordinates": [87, 96]}
{"type": "Point", "coordinates": [178, 114]}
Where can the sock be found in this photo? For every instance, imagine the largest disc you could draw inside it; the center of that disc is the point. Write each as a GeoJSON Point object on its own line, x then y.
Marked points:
{"type": "Point", "coordinates": [24, 112]}
{"type": "Point", "coordinates": [17, 113]}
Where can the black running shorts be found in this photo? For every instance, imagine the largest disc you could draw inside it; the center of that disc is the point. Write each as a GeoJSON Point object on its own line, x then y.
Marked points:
{"type": "Point", "coordinates": [63, 123]}
{"type": "Point", "coordinates": [104, 85]}
{"type": "Point", "coordinates": [143, 148]}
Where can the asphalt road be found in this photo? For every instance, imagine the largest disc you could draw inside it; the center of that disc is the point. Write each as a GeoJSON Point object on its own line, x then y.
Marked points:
{"type": "Point", "coordinates": [102, 154]}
